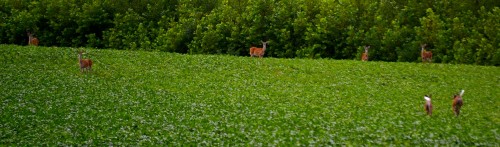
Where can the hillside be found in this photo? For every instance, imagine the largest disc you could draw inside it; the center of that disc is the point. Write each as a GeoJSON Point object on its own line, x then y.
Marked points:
{"type": "Point", "coordinates": [141, 98]}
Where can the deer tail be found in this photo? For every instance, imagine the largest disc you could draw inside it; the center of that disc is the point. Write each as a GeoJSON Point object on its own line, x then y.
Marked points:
{"type": "Point", "coordinates": [462, 93]}
{"type": "Point", "coordinates": [427, 98]}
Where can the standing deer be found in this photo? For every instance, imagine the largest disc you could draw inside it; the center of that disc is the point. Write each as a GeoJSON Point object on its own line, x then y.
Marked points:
{"type": "Point", "coordinates": [457, 102]}
{"type": "Point", "coordinates": [32, 40]}
{"type": "Point", "coordinates": [428, 105]}
{"type": "Point", "coordinates": [85, 64]}
{"type": "Point", "coordinates": [426, 55]}
{"type": "Point", "coordinates": [254, 51]}
{"type": "Point", "coordinates": [364, 57]}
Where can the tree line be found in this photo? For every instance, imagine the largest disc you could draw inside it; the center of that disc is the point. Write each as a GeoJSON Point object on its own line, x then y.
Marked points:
{"type": "Point", "coordinates": [465, 32]}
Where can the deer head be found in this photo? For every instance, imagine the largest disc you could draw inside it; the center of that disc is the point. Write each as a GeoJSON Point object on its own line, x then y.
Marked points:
{"type": "Point", "coordinates": [264, 45]}
{"type": "Point", "coordinates": [423, 46]}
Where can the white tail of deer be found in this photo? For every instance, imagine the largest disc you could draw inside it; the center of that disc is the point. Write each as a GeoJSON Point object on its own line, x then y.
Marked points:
{"type": "Point", "coordinates": [32, 40]}
{"type": "Point", "coordinates": [254, 51]}
{"type": "Point", "coordinates": [364, 57]}
{"type": "Point", "coordinates": [428, 105]}
{"type": "Point", "coordinates": [85, 64]}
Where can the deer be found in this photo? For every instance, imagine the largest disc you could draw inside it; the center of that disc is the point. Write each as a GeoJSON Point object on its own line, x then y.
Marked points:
{"type": "Point", "coordinates": [364, 57]}
{"type": "Point", "coordinates": [85, 64]}
{"type": "Point", "coordinates": [254, 51]}
{"type": "Point", "coordinates": [32, 40]}
{"type": "Point", "coordinates": [428, 105]}
{"type": "Point", "coordinates": [457, 102]}
{"type": "Point", "coordinates": [426, 55]}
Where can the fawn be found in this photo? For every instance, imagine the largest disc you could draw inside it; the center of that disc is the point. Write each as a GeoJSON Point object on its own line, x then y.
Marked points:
{"type": "Point", "coordinates": [254, 51]}
{"type": "Point", "coordinates": [364, 57]}
{"type": "Point", "coordinates": [32, 40]}
{"type": "Point", "coordinates": [426, 55]}
{"type": "Point", "coordinates": [457, 102]}
{"type": "Point", "coordinates": [428, 105]}
{"type": "Point", "coordinates": [85, 64]}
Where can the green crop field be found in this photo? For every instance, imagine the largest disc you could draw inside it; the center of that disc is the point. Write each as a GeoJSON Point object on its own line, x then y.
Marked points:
{"type": "Point", "coordinates": [158, 98]}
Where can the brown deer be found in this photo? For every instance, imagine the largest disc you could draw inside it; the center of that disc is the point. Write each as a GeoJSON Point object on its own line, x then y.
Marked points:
{"type": "Point", "coordinates": [254, 51]}
{"type": "Point", "coordinates": [32, 40]}
{"type": "Point", "coordinates": [457, 102]}
{"type": "Point", "coordinates": [85, 64]}
{"type": "Point", "coordinates": [426, 55]}
{"type": "Point", "coordinates": [428, 105]}
{"type": "Point", "coordinates": [364, 57]}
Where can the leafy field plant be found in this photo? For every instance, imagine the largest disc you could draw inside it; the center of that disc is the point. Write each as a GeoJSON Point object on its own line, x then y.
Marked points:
{"type": "Point", "coordinates": [157, 98]}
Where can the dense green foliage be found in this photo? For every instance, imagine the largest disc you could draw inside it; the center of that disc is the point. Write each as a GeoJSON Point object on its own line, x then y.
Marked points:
{"type": "Point", "coordinates": [141, 98]}
{"type": "Point", "coordinates": [465, 31]}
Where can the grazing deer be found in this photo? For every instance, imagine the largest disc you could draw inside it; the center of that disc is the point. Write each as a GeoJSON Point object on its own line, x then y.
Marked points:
{"type": "Point", "coordinates": [85, 64]}
{"type": "Point", "coordinates": [428, 105]}
{"type": "Point", "coordinates": [364, 57]}
{"type": "Point", "coordinates": [32, 40]}
{"type": "Point", "coordinates": [426, 55]}
{"type": "Point", "coordinates": [254, 51]}
{"type": "Point", "coordinates": [457, 102]}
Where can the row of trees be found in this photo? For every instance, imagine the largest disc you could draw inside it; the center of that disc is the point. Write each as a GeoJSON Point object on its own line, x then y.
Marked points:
{"type": "Point", "coordinates": [465, 31]}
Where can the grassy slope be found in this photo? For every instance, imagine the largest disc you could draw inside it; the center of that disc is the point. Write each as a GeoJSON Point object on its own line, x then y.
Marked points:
{"type": "Point", "coordinates": [154, 98]}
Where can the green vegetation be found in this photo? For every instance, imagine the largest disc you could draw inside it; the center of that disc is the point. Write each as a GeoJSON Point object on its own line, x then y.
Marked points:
{"type": "Point", "coordinates": [463, 32]}
{"type": "Point", "coordinates": [141, 98]}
